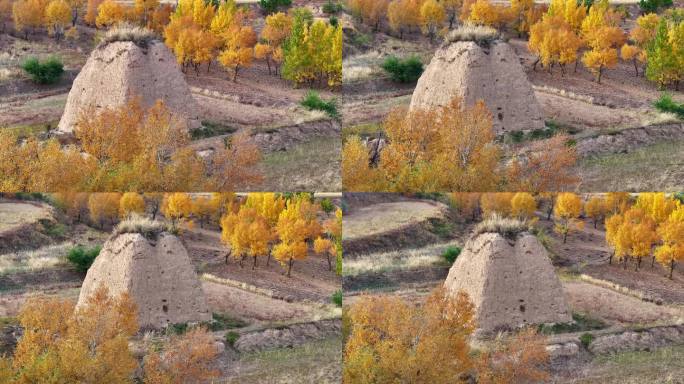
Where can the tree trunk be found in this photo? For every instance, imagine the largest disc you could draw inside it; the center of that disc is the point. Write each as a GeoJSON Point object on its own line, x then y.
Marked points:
{"type": "Point", "coordinates": [329, 263]}
{"type": "Point", "coordinates": [268, 62]}
{"type": "Point", "coordinates": [255, 262]}
{"type": "Point", "coordinates": [636, 68]}
{"type": "Point", "coordinates": [672, 263]}
{"type": "Point", "coordinates": [565, 237]}
{"type": "Point", "coordinates": [595, 222]}
{"type": "Point", "coordinates": [228, 255]}
{"type": "Point", "coordinates": [652, 261]}
{"type": "Point", "coordinates": [600, 72]}
{"type": "Point", "coordinates": [576, 63]}
{"type": "Point", "coordinates": [289, 267]}
{"type": "Point", "coordinates": [534, 65]}
{"type": "Point", "coordinates": [268, 261]}
{"type": "Point", "coordinates": [235, 73]}
{"type": "Point", "coordinates": [610, 258]}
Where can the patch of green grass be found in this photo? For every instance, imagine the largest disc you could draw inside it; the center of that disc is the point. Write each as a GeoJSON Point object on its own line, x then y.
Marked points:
{"type": "Point", "coordinates": [581, 323]}
{"type": "Point", "coordinates": [625, 171]}
{"type": "Point", "coordinates": [30, 130]}
{"type": "Point", "coordinates": [299, 167]}
{"type": "Point", "coordinates": [441, 228]}
{"type": "Point", "coordinates": [451, 253]}
{"type": "Point", "coordinates": [209, 129]}
{"type": "Point", "coordinates": [313, 102]}
{"type": "Point", "coordinates": [406, 70]}
{"type": "Point", "coordinates": [177, 329]}
{"type": "Point", "coordinates": [232, 337]}
{"type": "Point", "coordinates": [361, 39]}
{"type": "Point", "coordinates": [54, 230]}
{"type": "Point", "coordinates": [666, 104]}
{"type": "Point", "coordinates": [362, 130]}
{"type": "Point", "coordinates": [586, 339]}
{"type": "Point", "coordinates": [336, 298]}
{"type": "Point", "coordinates": [83, 258]}
{"type": "Point", "coordinates": [661, 365]}
{"type": "Point", "coordinates": [221, 322]}
{"type": "Point", "coordinates": [7, 321]}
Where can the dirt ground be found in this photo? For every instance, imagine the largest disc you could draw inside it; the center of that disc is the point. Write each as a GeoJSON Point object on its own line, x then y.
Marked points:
{"type": "Point", "coordinates": [16, 215]}
{"type": "Point", "coordinates": [386, 217]}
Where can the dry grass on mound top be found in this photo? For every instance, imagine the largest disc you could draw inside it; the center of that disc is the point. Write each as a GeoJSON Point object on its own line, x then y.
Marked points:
{"type": "Point", "coordinates": [128, 32]}
{"type": "Point", "coordinates": [140, 224]}
{"type": "Point", "coordinates": [505, 226]}
{"type": "Point", "coordinates": [470, 32]}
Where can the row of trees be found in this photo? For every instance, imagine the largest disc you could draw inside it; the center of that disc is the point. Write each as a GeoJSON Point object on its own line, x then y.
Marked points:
{"type": "Point", "coordinates": [652, 225]}
{"type": "Point", "coordinates": [308, 50]}
{"type": "Point", "coordinates": [107, 208]}
{"type": "Point", "coordinates": [260, 225]}
{"type": "Point", "coordinates": [569, 30]}
{"type": "Point", "coordinates": [126, 148]}
{"type": "Point", "coordinates": [432, 16]}
{"type": "Point", "coordinates": [453, 148]}
{"type": "Point", "coordinates": [55, 16]}
{"type": "Point", "coordinates": [286, 227]}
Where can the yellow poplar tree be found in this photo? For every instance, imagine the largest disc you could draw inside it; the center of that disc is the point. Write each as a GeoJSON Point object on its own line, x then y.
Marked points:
{"type": "Point", "coordinates": [595, 208]}
{"type": "Point", "coordinates": [297, 224]}
{"type": "Point", "coordinates": [523, 206]}
{"type": "Point", "coordinates": [671, 231]}
{"type": "Point", "coordinates": [432, 16]}
{"type": "Point", "coordinates": [131, 203]}
{"type": "Point", "coordinates": [57, 17]}
{"type": "Point", "coordinates": [567, 211]}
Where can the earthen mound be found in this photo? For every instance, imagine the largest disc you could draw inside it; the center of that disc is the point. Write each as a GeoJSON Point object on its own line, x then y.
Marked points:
{"type": "Point", "coordinates": [118, 71]}
{"type": "Point", "coordinates": [156, 272]}
{"type": "Point", "coordinates": [481, 70]}
{"type": "Point", "coordinates": [510, 281]}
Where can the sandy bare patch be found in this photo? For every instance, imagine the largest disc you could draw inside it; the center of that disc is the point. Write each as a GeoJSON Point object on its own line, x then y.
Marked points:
{"type": "Point", "coordinates": [386, 217]}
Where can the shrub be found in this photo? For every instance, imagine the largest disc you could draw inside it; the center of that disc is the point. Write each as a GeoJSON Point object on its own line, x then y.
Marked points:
{"type": "Point", "coordinates": [313, 101]}
{"type": "Point", "coordinates": [271, 6]}
{"type": "Point", "coordinates": [331, 7]}
{"type": "Point", "coordinates": [83, 258]}
{"type": "Point", "coordinates": [651, 6]}
{"type": "Point", "coordinates": [334, 21]}
{"type": "Point", "coordinates": [666, 104]}
{"type": "Point", "coordinates": [327, 205]}
{"type": "Point", "coordinates": [47, 72]}
{"type": "Point", "coordinates": [221, 322]}
{"type": "Point", "coordinates": [232, 337]}
{"type": "Point", "coordinates": [451, 253]}
{"type": "Point", "coordinates": [336, 298]}
{"type": "Point", "coordinates": [586, 339]}
{"type": "Point", "coordinates": [403, 71]}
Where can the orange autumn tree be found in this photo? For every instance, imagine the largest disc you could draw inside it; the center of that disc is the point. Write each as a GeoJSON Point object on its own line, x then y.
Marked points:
{"type": "Point", "coordinates": [187, 358]}
{"type": "Point", "coordinates": [131, 203]}
{"type": "Point", "coordinates": [104, 207]}
{"type": "Point", "coordinates": [554, 41]}
{"type": "Point", "coordinates": [277, 28]}
{"type": "Point", "coordinates": [640, 38]}
{"type": "Point", "coordinates": [57, 17]}
{"type": "Point", "coordinates": [177, 207]}
{"type": "Point", "coordinates": [370, 12]}
{"type": "Point", "coordinates": [238, 50]}
{"type": "Point", "coordinates": [126, 148]}
{"type": "Point", "coordinates": [432, 16]}
{"type": "Point", "coordinates": [567, 211]}
{"type": "Point", "coordinates": [671, 232]}
{"type": "Point", "coordinates": [297, 225]}
{"type": "Point", "coordinates": [596, 209]}
{"type": "Point", "coordinates": [251, 231]}
{"type": "Point", "coordinates": [391, 340]}
{"type": "Point", "coordinates": [63, 345]}
{"type": "Point", "coordinates": [331, 244]}
{"type": "Point", "coordinates": [603, 35]}
{"type": "Point", "coordinates": [523, 206]}
{"type": "Point", "coordinates": [73, 204]}
{"type": "Point", "coordinates": [443, 148]}
{"type": "Point", "coordinates": [403, 15]}
{"type": "Point", "coordinates": [495, 203]}
{"type": "Point", "coordinates": [634, 236]}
